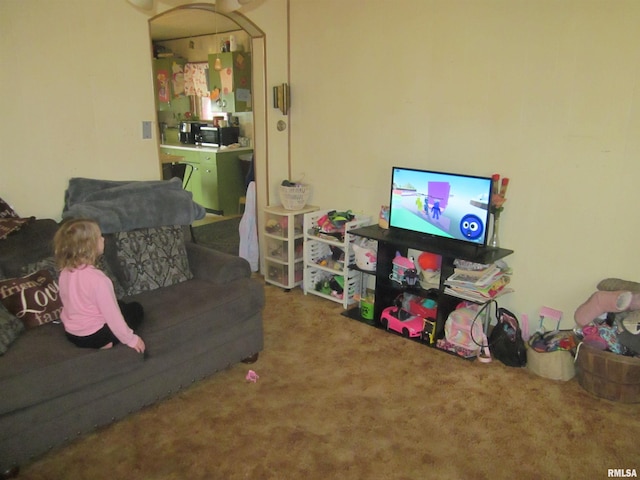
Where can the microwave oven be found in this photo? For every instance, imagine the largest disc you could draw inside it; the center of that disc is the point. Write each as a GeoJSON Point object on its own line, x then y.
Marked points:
{"type": "Point", "coordinates": [210, 136]}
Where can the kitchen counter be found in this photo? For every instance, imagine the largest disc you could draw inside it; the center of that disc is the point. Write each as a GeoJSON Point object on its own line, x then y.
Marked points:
{"type": "Point", "coordinates": [196, 148]}
{"type": "Point", "coordinates": [216, 177]}
{"type": "Point", "coordinates": [168, 158]}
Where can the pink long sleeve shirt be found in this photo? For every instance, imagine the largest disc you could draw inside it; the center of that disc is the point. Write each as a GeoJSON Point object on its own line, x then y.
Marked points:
{"type": "Point", "coordinates": [88, 302]}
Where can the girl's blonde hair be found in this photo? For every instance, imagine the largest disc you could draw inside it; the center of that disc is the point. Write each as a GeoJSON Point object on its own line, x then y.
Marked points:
{"type": "Point", "coordinates": [76, 243]}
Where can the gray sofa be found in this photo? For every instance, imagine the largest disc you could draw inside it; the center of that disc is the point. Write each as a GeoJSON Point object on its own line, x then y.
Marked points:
{"type": "Point", "coordinates": [53, 392]}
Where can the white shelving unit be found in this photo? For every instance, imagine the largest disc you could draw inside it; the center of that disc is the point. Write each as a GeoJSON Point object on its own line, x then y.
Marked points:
{"type": "Point", "coordinates": [327, 257]}
{"type": "Point", "coordinates": [282, 246]}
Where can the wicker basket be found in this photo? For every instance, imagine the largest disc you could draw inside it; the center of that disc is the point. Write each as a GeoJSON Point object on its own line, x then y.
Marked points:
{"type": "Point", "coordinates": [295, 198]}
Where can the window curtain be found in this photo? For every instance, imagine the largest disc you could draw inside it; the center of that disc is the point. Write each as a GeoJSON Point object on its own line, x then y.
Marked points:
{"type": "Point", "coordinates": [196, 76]}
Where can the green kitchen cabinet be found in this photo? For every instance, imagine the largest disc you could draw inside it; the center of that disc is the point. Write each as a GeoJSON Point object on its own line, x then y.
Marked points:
{"type": "Point", "coordinates": [231, 85]}
{"type": "Point", "coordinates": [168, 84]}
{"type": "Point", "coordinates": [192, 183]}
{"type": "Point", "coordinates": [222, 181]}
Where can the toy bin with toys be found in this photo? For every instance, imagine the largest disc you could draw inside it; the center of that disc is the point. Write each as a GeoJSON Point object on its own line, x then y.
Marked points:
{"type": "Point", "coordinates": [329, 255]}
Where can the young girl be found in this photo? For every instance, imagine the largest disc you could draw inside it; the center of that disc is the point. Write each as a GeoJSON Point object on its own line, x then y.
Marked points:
{"type": "Point", "coordinates": [91, 314]}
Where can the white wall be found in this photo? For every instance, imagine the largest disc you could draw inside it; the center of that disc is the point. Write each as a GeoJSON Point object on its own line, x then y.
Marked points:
{"type": "Point", "coordinates": [544, 92]}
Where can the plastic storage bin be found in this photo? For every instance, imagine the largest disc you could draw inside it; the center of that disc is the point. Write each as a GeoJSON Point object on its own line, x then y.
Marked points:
{"type": "Point", "coordinates": [283, 246]}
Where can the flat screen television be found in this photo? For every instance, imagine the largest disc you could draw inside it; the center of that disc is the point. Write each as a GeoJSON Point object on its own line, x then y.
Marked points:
{"type": "Point", "coordinates": [446, 205]}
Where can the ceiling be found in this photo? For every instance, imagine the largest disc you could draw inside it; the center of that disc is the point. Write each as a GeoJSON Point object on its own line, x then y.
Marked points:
{"type": "Point", "coordinates": [189, 22]}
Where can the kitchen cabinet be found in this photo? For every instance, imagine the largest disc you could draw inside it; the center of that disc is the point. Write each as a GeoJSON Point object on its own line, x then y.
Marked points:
{"type": "Point", "coordinates": [168, 84]}
{"type": "Point", "coordinates": [231, 86]}
{"type": "Point", "coordinates": [217, 181]}
{"type": "Point", "coordinates": [222, 181]}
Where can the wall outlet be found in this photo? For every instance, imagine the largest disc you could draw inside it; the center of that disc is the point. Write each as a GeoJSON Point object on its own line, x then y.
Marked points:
{"type": "Point", "coordinates": [146, 130]}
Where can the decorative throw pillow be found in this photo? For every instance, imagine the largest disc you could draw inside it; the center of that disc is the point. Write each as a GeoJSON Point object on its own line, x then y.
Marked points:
{"type": "Point", "coordinates": [10, 329]}
{"type": "Point", "coordinates": [10, 225]}
{"type": "Point", "coordinates": [6, 211]}
{"type": "Point", "coordinates": [34, 299]}
{"type": "Point", "coordinates": [151, 258]}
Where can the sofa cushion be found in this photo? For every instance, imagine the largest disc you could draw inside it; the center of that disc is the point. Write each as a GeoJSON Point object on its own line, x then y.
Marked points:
{"type": "Point", "coordinates": [42, 364]}
{"type": "Point", "coordinates": [10, 329]}
{"type": "Point", "coordinates": [176, 315]}
{"type": "Point", "coordinates": [33, 242]}
{"type": "Point", "coordinates": [6, 211]}
{"type": "Point", "coordinates": [214, 266]}
{"type": "Point", "coordinates": [34, 299]}
{"type": "Point", "coordinates": [12, 225]}
{"type": "Point", "coordinates": [151, 258]}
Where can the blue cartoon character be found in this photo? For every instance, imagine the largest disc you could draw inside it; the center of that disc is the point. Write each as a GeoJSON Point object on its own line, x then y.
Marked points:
{"type": "Point", "coordinates": [471, 227]}
{"type": "Point", "coordinates": [435, 210]}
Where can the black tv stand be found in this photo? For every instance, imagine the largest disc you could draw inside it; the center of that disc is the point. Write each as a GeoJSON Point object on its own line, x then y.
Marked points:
{"type": "Point", "coordinates": [392, 240]}
{"type": "Point", "coordinates": [438, 245]}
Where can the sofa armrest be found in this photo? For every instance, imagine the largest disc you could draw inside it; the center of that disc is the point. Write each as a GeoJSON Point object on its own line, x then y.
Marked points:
{"type": "Point", "coordinates": [215, 266]}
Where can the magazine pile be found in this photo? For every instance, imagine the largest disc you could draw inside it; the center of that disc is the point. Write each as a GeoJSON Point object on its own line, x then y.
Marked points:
{"type": "Point", "coordinates": [478, 282]}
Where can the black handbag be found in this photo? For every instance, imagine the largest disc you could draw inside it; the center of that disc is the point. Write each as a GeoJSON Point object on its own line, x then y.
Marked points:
{"type": "Point", "coordinates": [505, 342]}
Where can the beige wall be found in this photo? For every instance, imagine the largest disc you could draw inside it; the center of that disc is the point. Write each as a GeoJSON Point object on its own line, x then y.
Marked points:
{"type": "Point", "coordinates": [79, 75]}
{"type": "Point", "coordinates": [544, 92]}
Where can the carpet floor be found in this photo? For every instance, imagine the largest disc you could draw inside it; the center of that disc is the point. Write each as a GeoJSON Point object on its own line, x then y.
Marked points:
{"type": "Point", "coordinates": [338, 399]}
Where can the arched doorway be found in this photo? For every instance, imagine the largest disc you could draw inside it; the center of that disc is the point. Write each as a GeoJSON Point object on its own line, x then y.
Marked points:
{"type": "Point", "coordinates": [259, 95]}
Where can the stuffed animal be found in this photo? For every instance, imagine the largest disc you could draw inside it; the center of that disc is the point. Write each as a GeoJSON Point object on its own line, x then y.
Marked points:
{"type": "Point", "coordinates": [620, 300]}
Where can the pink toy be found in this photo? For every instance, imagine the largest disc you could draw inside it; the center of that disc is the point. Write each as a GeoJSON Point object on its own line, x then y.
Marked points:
{"type": "Point", "coordinates": [401, 321]}
{"type": "Point", "coordinates": [400, 266]}
{"type": "Point", "coordinates": [252, 376]}
{"type": "Point", "coordinates": [602, 302]}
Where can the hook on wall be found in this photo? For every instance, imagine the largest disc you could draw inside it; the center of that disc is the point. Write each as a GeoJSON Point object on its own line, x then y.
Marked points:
{"type": "Point", "coordinates": [282, 98]}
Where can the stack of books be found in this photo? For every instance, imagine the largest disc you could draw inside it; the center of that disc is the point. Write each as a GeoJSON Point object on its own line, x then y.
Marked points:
{"type": "Point", "coordinates": [479, 283]}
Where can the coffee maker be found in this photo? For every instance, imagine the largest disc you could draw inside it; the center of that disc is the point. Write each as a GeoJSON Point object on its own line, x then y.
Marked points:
{"type": "Point", "coordinates": [188, 132]}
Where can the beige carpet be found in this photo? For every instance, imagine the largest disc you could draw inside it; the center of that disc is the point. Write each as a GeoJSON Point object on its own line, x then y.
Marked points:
{"type": "Point", "coordinates": [337, 399]}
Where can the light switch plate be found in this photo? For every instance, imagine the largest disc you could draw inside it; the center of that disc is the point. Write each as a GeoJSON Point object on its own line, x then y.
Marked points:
{"type": "Point", "coordinates": [146, 130]}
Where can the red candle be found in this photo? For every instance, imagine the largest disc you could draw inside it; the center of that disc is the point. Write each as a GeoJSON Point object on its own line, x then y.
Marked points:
{"type": "Point", "coordinates": [503, 187]}
{"type": "Point", "coordinates": [495, 178]}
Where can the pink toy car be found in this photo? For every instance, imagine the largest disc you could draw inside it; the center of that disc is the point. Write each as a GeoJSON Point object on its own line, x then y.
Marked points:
{"type": "Point", "coordinates": [401, 321]}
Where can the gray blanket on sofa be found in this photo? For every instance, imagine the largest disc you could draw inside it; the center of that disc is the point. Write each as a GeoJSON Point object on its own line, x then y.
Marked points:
{"type": "Point", "coordinates": [121, 206]}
